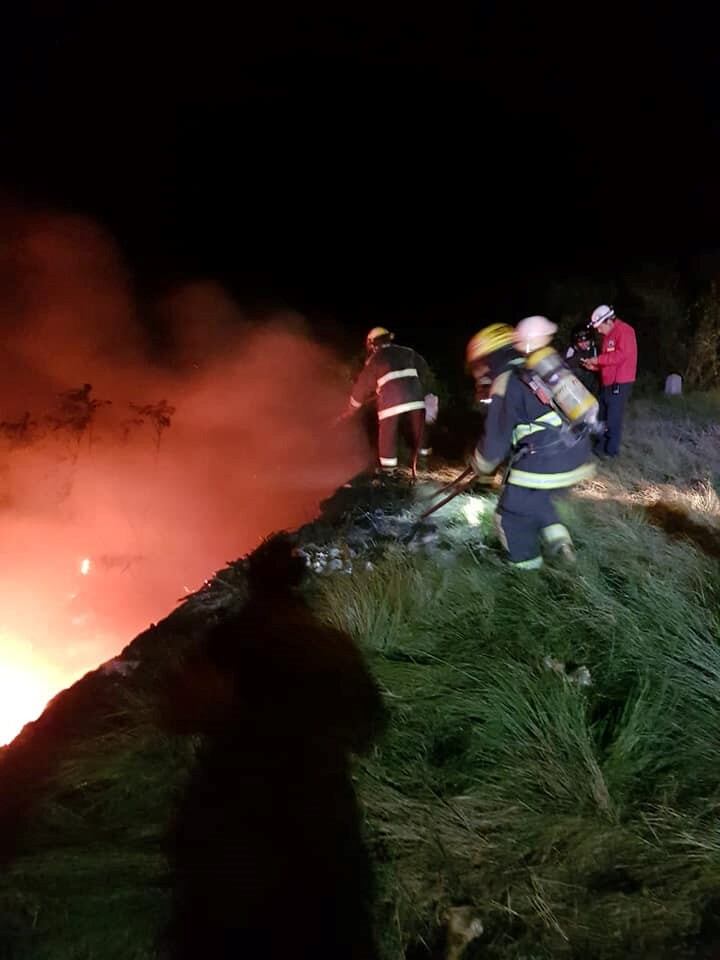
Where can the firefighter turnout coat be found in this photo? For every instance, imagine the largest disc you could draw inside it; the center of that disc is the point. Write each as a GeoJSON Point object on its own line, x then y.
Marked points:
{"type": "Point", "coordinates": [399, 377]}
{"type": "Point", "coordinates": [544, 453]}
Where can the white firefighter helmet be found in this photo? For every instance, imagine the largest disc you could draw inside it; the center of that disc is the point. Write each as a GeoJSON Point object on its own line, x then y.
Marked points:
{"type": "Point", "coordinates": [532, 333]}
{"type": "Point", "coordinates": [601, 314]}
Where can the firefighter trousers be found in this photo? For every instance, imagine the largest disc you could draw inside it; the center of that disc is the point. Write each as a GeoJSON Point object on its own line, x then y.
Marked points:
{"type": "Point", "coordinates": [412, 426]}
{"type": "Point", "coordinates": [527, 521]}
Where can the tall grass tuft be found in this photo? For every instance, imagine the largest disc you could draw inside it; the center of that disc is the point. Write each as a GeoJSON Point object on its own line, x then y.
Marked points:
{"type": "Point", "coordinates": [575, 819]}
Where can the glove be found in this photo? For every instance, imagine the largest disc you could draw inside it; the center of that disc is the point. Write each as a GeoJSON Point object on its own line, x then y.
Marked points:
{"type": "Point", "coordinates": [477, 464]}
{"type": "Point", "coordinates": [482, 467]}
{"type": "Point", "coordinates": [431, 408]}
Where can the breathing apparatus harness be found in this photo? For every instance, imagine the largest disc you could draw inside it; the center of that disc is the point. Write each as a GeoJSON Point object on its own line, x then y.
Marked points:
{"type": "Point", "coordinates": [570, 432]}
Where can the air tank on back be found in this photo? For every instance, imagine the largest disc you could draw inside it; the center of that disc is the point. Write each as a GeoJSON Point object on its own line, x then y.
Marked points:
{"type": "Point", "coordinates": [533, 336]}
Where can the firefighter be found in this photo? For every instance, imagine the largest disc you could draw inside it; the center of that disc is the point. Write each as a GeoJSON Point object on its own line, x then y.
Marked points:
{"type": "Point", "coordinates": [583, 347]}
{"type": "Point", "coordinates": [545, 455]}
{"type": "Point", "coordinates": [400, 379]}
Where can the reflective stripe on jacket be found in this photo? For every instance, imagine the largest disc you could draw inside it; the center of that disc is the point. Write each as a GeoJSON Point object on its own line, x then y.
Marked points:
{"type": "Point", "coordinates": [518, 423]}
{"type": "Point", "coordinates": [399, 377]}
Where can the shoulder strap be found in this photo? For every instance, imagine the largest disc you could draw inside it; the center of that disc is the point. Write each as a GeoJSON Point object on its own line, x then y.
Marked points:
{"type": "Point", "coordinates": [500, 384]}
{"type": "Point", "coordinates": [534, 382]}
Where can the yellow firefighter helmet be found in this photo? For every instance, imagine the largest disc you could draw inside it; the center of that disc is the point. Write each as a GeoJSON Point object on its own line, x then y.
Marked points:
{"type": "Point", "coordinates": [376, 333]}
{"type": "Point", "coordinates": [488, 340]}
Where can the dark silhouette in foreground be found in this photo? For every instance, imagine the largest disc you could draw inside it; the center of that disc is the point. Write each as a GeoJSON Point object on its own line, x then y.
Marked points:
{"type": "Point", "coordinates": [267, 848]}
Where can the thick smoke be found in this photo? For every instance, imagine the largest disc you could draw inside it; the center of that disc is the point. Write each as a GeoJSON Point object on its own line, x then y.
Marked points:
{"type": "Point", "coordinates": [156, 471]}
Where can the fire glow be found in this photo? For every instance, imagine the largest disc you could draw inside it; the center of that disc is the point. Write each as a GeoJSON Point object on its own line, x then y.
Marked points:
{"type": "Point", "coordinates": [26, 685]}
{"type": "Point", "coordinates": [106, 515]}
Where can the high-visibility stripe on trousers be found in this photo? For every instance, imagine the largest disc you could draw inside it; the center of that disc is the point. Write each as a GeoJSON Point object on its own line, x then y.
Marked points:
{"type": "Point", "coordinates": [402, 408]}
{"type": "Point", "coordinates": [528, 521]}
{"type": "Point", "coordinates": [412, 425]}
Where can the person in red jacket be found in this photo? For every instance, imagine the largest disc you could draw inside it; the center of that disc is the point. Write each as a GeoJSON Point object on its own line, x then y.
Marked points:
{"type": "Point", "coordinates": [617, 365]}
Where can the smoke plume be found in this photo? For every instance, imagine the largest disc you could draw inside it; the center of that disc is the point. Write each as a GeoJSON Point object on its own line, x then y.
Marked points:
{"type": "Point", "coordinates": [133, 466]}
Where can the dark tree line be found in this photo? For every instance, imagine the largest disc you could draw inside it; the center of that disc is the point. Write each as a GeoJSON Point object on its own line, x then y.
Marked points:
{"type": "Point", "coordinates": [675, 312]}
{"type": "Point", "coordinates": [75, 417]}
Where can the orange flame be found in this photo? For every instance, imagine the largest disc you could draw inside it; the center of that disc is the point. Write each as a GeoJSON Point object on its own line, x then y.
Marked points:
{"type": "Point", "coordinates": [25, 687]}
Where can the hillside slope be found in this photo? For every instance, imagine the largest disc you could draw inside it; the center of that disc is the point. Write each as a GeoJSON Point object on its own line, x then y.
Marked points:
{"type": "Point", "coordinates": [572, 811]}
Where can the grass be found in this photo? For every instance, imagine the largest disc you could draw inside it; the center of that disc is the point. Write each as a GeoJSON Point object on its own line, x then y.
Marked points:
{"type": "Point", "coordinates": [576, 821]}
{"type": "Point", "coordinates": [89, 878]}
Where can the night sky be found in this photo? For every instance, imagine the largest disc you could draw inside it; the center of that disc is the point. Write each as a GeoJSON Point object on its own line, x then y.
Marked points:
{"type": "Point", "coordinates": [342, 156]}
